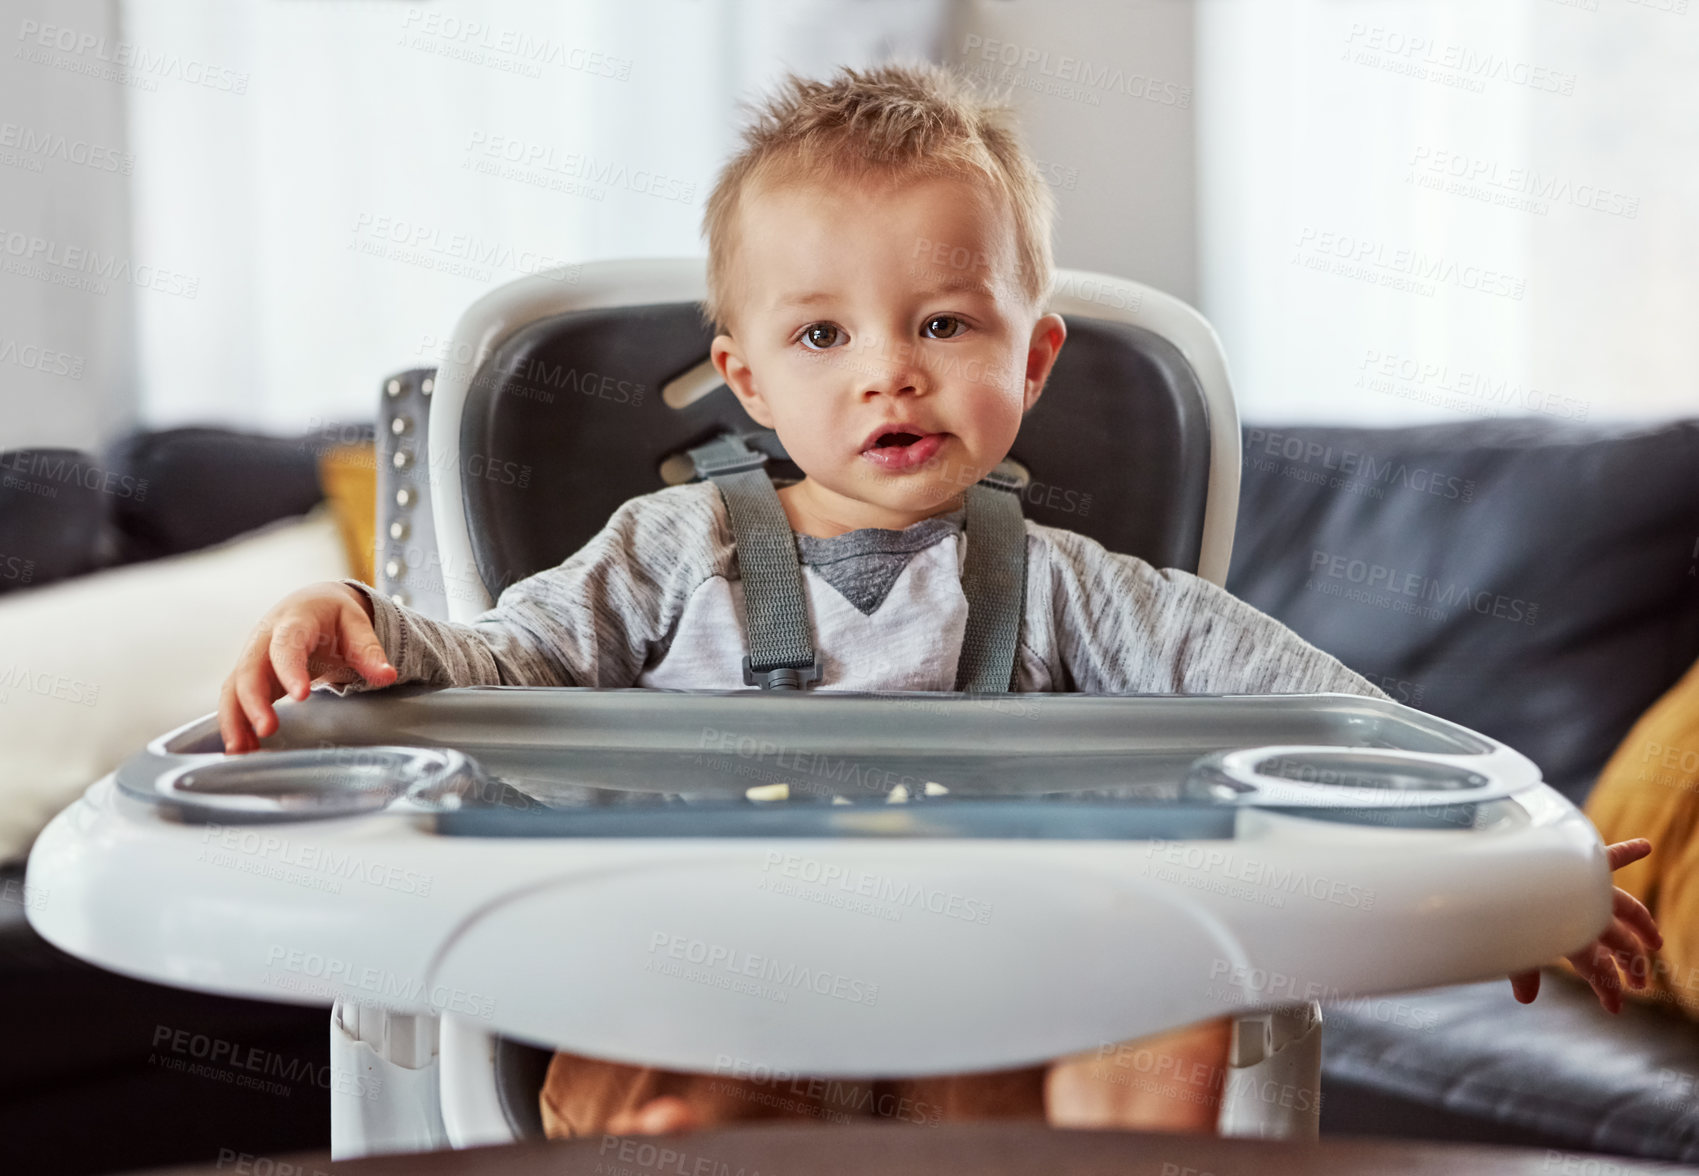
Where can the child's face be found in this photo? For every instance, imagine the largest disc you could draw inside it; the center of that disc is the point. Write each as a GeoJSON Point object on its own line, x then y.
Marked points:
{"type": "Point", "coordinates": [865, 310]}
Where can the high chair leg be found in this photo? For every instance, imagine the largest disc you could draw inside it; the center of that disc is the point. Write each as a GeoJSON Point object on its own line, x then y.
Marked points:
{"type": "Point", "coordinates": [384, 1094]}
{"type": "Point", "coordinates": [1273, 1082]}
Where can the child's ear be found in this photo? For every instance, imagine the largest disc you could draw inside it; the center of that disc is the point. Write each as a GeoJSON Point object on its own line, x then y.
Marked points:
{"type": "Point", "coordinates": [728, 361]}
{"type": "Point", "coordinates": [1048, 335]}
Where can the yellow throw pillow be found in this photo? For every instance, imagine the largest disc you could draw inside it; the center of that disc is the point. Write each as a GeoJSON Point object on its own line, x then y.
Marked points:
{"type": "Point", "coordinates": [1650, 788]}
{"type": "Point", "coordinates": [348, 475]}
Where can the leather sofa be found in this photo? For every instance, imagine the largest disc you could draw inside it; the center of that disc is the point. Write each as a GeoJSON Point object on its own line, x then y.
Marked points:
{"type": "Point", "coordinates": [1538, 581]}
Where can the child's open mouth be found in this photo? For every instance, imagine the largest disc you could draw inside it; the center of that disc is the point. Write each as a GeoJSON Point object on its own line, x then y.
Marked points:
{"type": "Point", "coordinates": [896, 451]}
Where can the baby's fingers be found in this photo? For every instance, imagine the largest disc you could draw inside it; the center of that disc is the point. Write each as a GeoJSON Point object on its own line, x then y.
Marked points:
{"type": "Point", "coordinates": [363, 651]}
{"type": "Point", "coordinates": [257, 686]}
{"type": "Point", "coordinates": [233, 725]}
{"type": "Point", "coordinates": [1632, 911]}
{"type": "Point", "coordinates": [1625, 853]}
{"type": "Point", "coordinates": [1597, 967]}
{"type": "Point", "coordinates": [293, 643]}
{"type": "Point", "coordinates": [1628, 952]}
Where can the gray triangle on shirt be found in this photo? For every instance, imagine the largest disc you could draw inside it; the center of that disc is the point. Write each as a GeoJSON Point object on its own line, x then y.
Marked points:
{"type": "Point", "coordinates": [864, 565]}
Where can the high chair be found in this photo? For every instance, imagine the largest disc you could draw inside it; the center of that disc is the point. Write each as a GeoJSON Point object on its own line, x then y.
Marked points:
{"type": "Point", "coordinates": [611, 871]}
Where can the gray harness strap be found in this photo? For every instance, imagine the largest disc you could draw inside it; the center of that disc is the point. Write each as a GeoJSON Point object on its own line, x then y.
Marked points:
{"type": "Point", "coordinates": [781, 649]}
{"type": "Point", "coordinates": [781, 653]}
{"type": "Point", "coordinates": [994, 582]}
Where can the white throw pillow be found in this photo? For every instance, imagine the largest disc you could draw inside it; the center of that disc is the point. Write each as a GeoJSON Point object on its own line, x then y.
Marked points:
{"type": "Point", "coordinates": [92, 669]}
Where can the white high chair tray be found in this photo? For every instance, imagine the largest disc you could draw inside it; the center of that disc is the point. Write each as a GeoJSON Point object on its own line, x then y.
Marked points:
{"type": "Point", "coordinates": [826, 883]}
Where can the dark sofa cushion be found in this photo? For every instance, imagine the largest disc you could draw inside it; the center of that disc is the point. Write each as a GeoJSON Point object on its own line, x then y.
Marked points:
{"type": "Point", "coordinates": [1529, 578]}
{"type": "Point", "coordinates": [66, 513]}
{"type": "Point", "coordinates": [1468, 1063]}
{"type": "Point", "coordinates": [206, 485]}
{"type": "Point", "coordinates": [55, 516]}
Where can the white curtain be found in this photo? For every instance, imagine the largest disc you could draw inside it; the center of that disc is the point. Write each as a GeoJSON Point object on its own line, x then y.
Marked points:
{"type": "Point", "coordinates": [66, 316]}
{"type": "Point", "coordinates": [1434, 209]}
{"type": "Point", "coordinates": [343, 179]}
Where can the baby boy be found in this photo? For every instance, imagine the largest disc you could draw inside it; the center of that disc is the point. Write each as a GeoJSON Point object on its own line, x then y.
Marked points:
{"type": "Point", "coordinates": [879, 267]}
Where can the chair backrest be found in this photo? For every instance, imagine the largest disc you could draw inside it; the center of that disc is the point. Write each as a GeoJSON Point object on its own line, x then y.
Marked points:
{"type": "Point", "coordinates": [561, 396]}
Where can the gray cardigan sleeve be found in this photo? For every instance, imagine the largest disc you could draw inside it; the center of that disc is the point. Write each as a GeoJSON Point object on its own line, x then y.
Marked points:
{"type": "Point", "coordinates": [594, 620]}
{"type": "Point", "coordinates": [1124, 626]}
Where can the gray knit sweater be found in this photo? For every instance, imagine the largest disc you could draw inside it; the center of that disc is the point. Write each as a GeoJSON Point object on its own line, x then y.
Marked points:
{"type": "Point", "coordinates": [655, 600]}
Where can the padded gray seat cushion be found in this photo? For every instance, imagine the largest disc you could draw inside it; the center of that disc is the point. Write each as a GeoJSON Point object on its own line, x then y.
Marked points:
{"type": "Point", "coordinates": [1469, 1063]}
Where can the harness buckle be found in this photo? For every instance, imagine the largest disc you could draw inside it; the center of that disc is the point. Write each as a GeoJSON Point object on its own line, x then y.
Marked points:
{"type": "Point", "coordinates": [781, 677]}
{"type": "Point", "coordinates": [727, 454]}
{"type": "Point", "coordinates": [712, 467]}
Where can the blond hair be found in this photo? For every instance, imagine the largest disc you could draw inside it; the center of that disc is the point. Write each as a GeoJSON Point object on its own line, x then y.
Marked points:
{"type": "Point", "coordinates": [896, 121]}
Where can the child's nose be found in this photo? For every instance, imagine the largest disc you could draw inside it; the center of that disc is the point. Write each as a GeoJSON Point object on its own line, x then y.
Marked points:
{"type": "Point", "coordinates": [893, 374]}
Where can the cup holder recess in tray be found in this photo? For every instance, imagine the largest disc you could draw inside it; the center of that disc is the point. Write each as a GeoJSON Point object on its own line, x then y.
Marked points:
{"type": "Point", "coordinates": [1339, 777]}
{"type": "Point", "coordinates": [299, 785]}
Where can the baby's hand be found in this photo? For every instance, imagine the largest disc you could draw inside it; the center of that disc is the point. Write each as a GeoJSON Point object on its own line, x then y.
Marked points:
{"type": "Point", "coordinates": [1597, 962]}
{"type": "Point", "coordinates": [324, 630]}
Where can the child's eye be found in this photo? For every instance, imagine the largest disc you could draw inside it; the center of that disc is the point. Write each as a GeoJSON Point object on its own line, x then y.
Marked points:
{"type": "Point", "coordinates": [946, 318]}
{"type": "Point", "coordinates": [820, 336]}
